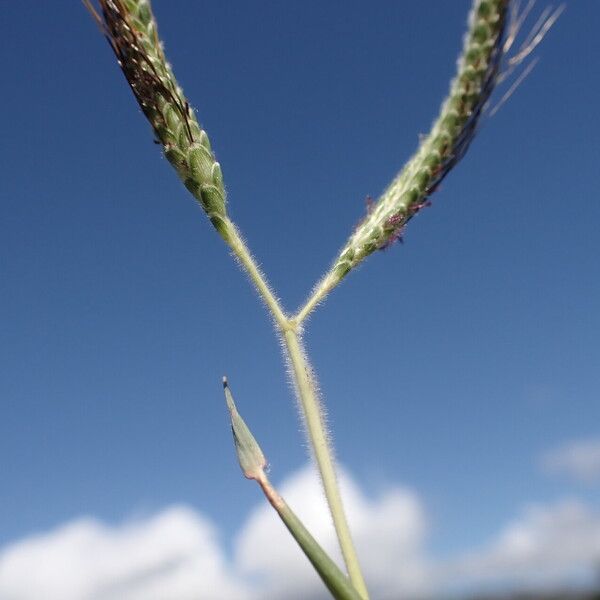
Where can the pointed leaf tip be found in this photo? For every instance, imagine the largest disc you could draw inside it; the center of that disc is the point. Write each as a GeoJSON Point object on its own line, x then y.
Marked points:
{"type": "Point", "coordinates": [250, 456]}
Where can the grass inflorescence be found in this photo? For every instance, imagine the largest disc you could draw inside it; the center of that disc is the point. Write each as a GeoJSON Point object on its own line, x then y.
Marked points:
{"type": "Point", "coordinates": [132, 33]}
{"type": "Point", "coordinates": [444, 146]}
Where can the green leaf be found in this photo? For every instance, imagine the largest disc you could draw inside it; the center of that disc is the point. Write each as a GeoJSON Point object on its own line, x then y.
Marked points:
{"type": "Point", "coordinates": [253, 462]}
{"type": "Point", "coordinates": [251, 457]}
{"type": "Point", "coordinates": [336, 582]}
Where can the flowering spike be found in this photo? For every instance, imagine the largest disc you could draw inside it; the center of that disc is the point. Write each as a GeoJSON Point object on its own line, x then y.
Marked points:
{"type": "Point", "coordinates": [132, 33]}
{"type": "Point", "coordinates": [444, 146]}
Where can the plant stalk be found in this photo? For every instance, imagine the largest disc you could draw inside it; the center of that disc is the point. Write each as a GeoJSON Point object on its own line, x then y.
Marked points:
{"type": "Point", "coordinates": [240, 250]}
{"type": "Point", "coordinates": [319, 294]}
{"type": "Point", "coordinates": [315, 425]}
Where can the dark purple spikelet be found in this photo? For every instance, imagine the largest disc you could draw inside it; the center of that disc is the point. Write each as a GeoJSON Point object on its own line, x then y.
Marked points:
{"type": "Point", "coordinates": [469, 114]}
{"type": "Point", "coordinates": [133, 38]}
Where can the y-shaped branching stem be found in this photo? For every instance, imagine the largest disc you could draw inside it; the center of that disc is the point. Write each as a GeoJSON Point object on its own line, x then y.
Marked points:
{"type": "Point", "coordinates": [307, 392]}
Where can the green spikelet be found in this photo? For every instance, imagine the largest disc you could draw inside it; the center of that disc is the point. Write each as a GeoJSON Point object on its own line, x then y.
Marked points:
{"type": "Point", "coordinates": [444, 146]}
{"type": "Point", "coordinates": [131, 30]}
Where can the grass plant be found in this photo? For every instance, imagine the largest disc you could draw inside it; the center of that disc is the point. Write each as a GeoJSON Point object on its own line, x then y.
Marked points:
{"type": "Point", "coordinates": [493, 25]}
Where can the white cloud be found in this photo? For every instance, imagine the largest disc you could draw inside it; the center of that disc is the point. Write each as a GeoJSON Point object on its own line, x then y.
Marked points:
{"type": "Point", "coordinates": [177, 554]}
{"type": "Point", "coordinates": [545, 546]}
{"type": "Point", "coordinates": [580, 460]}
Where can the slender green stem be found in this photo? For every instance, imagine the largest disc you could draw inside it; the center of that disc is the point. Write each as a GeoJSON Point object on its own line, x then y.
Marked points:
{"type": "Point", "coordinates": [318, 295]}
{"type": "Point", "coordinates": [323, 455]}
{"type": "Point", "coordinates": [242, 253]}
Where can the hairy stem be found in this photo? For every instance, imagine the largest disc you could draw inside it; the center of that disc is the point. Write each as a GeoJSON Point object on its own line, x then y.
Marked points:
{"type": "Point", "coordinates": [306, 388]}
{"type": "Point", "coordinates": [318, 295]}
{"type": "Point", "coordinates": [239, 248]}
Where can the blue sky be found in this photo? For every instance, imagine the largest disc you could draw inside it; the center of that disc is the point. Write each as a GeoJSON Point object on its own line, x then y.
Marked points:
{"type": "Point", "coordinates": [462, 365]}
